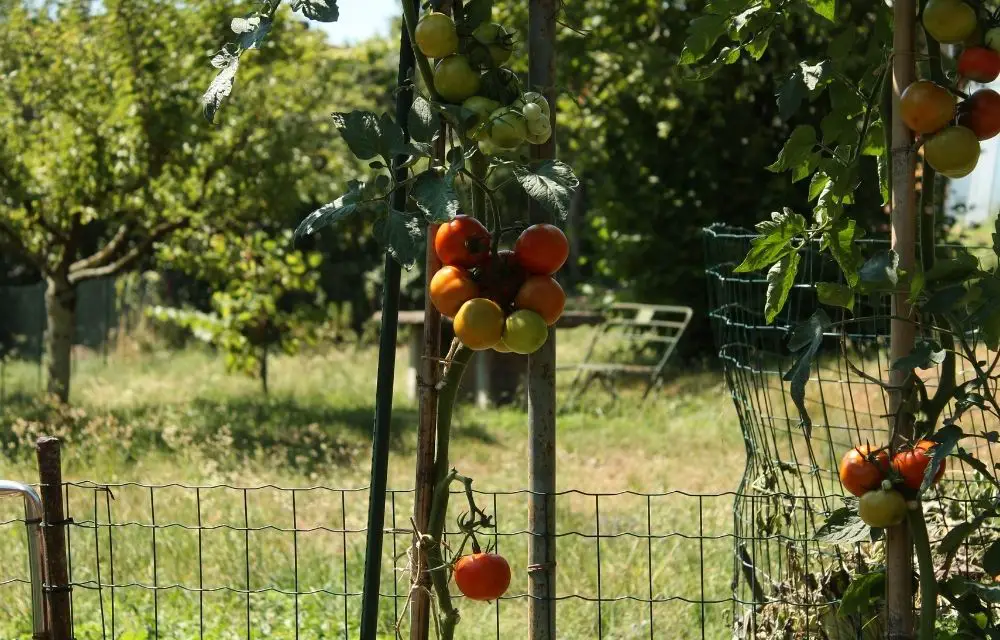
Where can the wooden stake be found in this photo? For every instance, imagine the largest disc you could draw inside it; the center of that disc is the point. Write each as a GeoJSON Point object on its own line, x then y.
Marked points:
{"type": "Point", "coordinates": [57, 604]}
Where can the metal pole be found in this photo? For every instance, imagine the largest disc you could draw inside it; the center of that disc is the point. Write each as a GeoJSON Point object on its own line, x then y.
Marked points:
{"type": "Point", "coordinates": [57, 587]}
{"type": "Point", "coordinates": [542, 365]}
{"type": "Point", "coordinates": [32, 520]}
{"type": "Point", "coordinates": [899, 548]}
{"type": "Point", "coordinates": [384, 382]}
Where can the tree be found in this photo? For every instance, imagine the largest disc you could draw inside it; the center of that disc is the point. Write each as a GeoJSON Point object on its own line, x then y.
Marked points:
{"type": "Point", "coordinates": [104, 157]}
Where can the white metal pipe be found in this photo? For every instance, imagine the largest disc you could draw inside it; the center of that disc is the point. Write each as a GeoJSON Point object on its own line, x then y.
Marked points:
{"type": "Point", "coordinates": [33, 520]}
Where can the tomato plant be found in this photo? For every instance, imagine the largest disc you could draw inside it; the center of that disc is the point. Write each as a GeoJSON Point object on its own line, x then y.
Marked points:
{"type": "Point", "coordinates": [863, 469]}
{"type": "Point", "coordinates": [882, 508]}
{"type": "Point", "coordinates": [482, 576]}
{"type": "Point", "coordinates": [436, 35]}
{"type": "Point", "coordinates": [541, 249]}
{"type": "Point", "coordinates": [911, 464]}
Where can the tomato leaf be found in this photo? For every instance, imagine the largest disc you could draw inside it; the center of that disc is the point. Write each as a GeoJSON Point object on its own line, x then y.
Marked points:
{"type": "Point", "coordinates": [435, 196]}
{"type": "Point", "coordinates": [843, 526]}
{"type": "Point", "coordinates": [797, 149]}
{"type": "Point", "coordinates": [963, 586]}
{"type": "Point", "coordinates": [805, 343]}
{"type": "Point", "coordinates": [318, 10]}
{"type": "Point", "coordinates": [774, 241]}
{"type": "Point", "coordinates": [252, 30]}
{"type": "Point", "coordinates": [333, 212]}
{"type": "Point", "coordinates": [835, 294]}
{"type": "Point", "coordinates": [780, 278]}
{"type": "Point", "coordinates": [858, 596]}
{"type": "Point", "coordinates": [991, 559]}
{"type": "Point", "coordinates": [957, 535]}
{"type": "Point", "coordinates": [841, 240]}
{"type": "Point", "coordinates": [924, 355]}
{"type": "Point", "coordinates": [421, 123]}
{"type": "Point", "coordinates": [551, 184]}
{"type": "Point", "coordinates": [361, 132]}
{"type": "Point", "coordinates": [477, 12]}
{"type": "Point", "coordinates": [880, 272]}
{"type": "Point", "coordinates": [972, 461]}
{"type": "Point", "coordinates": [791, 94]}
{"type": "Point", "coordinates": [825, 8]}
{"type": "Point", "coordinates": [817, 184]}
{"type": "Point", "coordinates": [222, 84]}
{"type": "Point", "coordinates": [703, 32]}
{"type": "Point", "coordinates": [947, 438]}
{"type": "Point", "coordinates": [402, 235]}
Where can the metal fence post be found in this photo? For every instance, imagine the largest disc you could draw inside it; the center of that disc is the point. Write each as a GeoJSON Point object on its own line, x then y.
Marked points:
{"type": "Point", "coordinates": [32, 520]}
{"type": "Point", "coordinates": [57, 586]}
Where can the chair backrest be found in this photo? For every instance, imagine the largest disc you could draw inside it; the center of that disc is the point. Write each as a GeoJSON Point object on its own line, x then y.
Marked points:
{"type": "Point", "coordinates": [639, 332]}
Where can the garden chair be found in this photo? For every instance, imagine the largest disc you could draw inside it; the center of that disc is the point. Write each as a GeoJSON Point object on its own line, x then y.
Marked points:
{"type": "Point", "coordinates": [636, 341]}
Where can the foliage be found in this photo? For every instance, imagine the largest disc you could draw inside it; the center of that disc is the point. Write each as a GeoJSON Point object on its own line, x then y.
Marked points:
{"type": "Point", "coordinates": [266, 298]}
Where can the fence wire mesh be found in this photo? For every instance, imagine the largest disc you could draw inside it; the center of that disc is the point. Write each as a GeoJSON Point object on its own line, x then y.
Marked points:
{"type": "Point", "coordinates": [182, 561]}
{"type": "Point", "coordinates": [788, 583]}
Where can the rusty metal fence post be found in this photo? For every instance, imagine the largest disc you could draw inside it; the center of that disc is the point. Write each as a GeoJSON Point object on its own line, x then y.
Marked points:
{"type": "Point", "coordinates": [57, 587]}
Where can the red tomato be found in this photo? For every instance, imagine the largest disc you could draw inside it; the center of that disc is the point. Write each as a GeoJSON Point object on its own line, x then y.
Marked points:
{"type": "Point", "coordinates": [912, 464]}
{"type": "Point", "coordinates": [858, 474]}
{"type": "Point", "coordinates": [544, 296]}
{"type": "Point", "coordinates": [501, 277]}
{"type": "Point", "coordinates": [981, 113]}
{"type": "Point", "coordinates": [462, 242]}
{"type": "Point", "coordinates": [482, 576]}
{"type": "Point", "coordinates": [979, 64]}
{"type": "Point", "coordinates": [541, 249]}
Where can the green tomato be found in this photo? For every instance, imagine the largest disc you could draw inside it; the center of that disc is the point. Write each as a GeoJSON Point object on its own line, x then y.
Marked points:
{"type": "Point", "coordinates": [881, 508]}
{"type": "Point", "coordinates": [436, 35]}
{"type": "Point", "coordinates": [500, 84]}
{"type": "Point", "coordinates": [949, 21]}
{"type": "Point", "coordinates": [507, 129]}
{"type": "Point", "coordinates": [532, 112]}
{"type": "Point", "coordinates": [539, 131]}
{"type": "Point", "coordinates": [496, 39]}
{"type": "Point", "coordinates": [533, 97]}
{"type": "Point", "coordinates": [481, 108]}
{"type": "Point", "coordinates": [455, 79]}
{"type": "Point", "coordinates": [525, 332]}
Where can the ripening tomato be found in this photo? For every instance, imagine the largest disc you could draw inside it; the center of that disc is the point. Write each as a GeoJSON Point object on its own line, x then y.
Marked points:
{"type": "Point", "coordinates": [979, 64]}
{"type": "Point", "coordinates": [436, 35]}
{"type": "Point", "coordinates": [506, 128]}
{"type": "Point", "coordinates": [494, 38]}
{"type": "Point", "coordinates": [500, 278]}
{"type": "Point", "coordinates": [882, 508]}
{"type": "Point", "coordinates": [462, 242]}
{"type": "Point", "coordinates": [954, 150]}
{"type": "Point", "coordinates": [525, 332]}
{"type": "Point", "coordinates": [541, 249]}
{"type": "Point", "coordinates": [455, 79]}
{"type": "Point", "coordinates": [912, 464]}
{"type": "Point", "coordinates": [544, 296]}
{"type": "Point", "coordinates": [501, 347]}
{"type": "Point", "coordinates": [479, 324]}
{"type": "Point", "coordinates": [926, 107]}
{"type": "Point", "coordinates": [482, 576]}
{"type": "Point", "coordinates": [450, 288]}
{"type": "Point", "coordinates": [949, 21]}
{"type": "Point", "coordinates": [862, 471]}
{"type": "Point", "coordinates": [981, 113]}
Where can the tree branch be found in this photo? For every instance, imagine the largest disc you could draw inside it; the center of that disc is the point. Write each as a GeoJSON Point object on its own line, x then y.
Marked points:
{"type": "Point", "coordinates": [103, 255]}
{"type": "Point", "coordinates": [17, 244]}
{"type": "Point", "coordinates": [126, 261]}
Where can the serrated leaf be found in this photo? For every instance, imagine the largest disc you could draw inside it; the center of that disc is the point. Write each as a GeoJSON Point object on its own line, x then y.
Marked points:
{"type": "Point", "coordinates": [805, 343]}
{"type": "Point", "coordinates": [947, 438]}
{"type": "Point", "coordinates": [954, 538]}
{"type": "Point", "coordinates": [791, 94]}
{"type": "Point", "coordinates": [857, 597]}
{"type": "Point", "coordinates": [332, 212]}
{"type": "Point", "coordinates": [780, 278]}
{"type": "Point", "coordinates": [361, 132]}
{"type": "Point", "coordinates": [881, 271]}
{"type": "Point", "coordinates": [221, 86]}
{"type": "Point", "coordinates": [774, 242]}
{"type": "Point", "coordinates": [844, 526]}
{"type": "Point", "coordinates": [815, 76]}
{"type": "Point", "coordinates": [402, 235]}
{"type": "Point", "coordinates": [551, 184]}
{"type": "Point", "coordinates": [925, 354]}
{"type": "Point", "coordinates": [421, 123]}
{"type": "Point", "coordinates": [758, 45]}
{"type": "Point", "coordinates": [835, 127]}
{"type": "Point", "coordinates": [435, 196]}
{"type": "Point", "coordinates": [703, 32]}
{"type": "Point", "coordinates": [841, 240]}
{"type": "Point", "coordinates": [318, 10]}
{"type": "Point", "coordinates": [817, 184]}
{"type": "Point", "coordinates": [835, 294]}
{"type": "Point", "coordinates": [961, 586]}
{"type": "Point", "coordinates": [969, 459]}
{"type": "Point", "coordinates": [252, 30]}
{"type": "Point", "coordinates": [797, 149]}
{"type": "Point", "coordinates": [825, 8]}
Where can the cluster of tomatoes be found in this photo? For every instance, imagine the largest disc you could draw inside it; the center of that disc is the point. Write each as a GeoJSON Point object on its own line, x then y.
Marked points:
{"type": "Point", "coordinates": [503, 300]}
{"type": "Point", "coordinates": [868, 473]}
{"type": "Point", "coordinates": [953, 129]}
{"type": "Point", "coordinates": [470, 72]}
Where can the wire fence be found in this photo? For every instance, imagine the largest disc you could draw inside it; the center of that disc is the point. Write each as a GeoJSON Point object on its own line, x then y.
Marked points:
{"type": "Point", "coordinates": [224, 561]}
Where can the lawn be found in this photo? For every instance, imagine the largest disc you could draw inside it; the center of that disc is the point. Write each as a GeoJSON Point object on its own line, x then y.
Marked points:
{"type": "Point", "coordinates": [227, 561]}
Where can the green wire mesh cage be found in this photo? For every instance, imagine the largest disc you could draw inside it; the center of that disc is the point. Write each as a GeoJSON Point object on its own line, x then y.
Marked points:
{"type": "Point", "coordinates": [785, 580]}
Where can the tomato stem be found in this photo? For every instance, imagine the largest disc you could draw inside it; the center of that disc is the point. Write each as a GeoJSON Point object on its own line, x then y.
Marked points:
{"type": "Point", "coordinates": [925, 566]}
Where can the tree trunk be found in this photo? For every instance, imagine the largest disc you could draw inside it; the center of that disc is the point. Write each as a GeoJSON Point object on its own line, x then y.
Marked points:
{"type": "Point", "coordinates": [263, 369]}
{"type": "Point", "coordinates": [60, 310]}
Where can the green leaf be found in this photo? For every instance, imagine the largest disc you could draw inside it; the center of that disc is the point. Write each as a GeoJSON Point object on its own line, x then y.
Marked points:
{"type": "Point", "coordinates": [318, 10]}
{"type": "Point", "coordinates": [791, 94]}
{"type": "Point", "coordinates": [963, 586]}
{"type": "Point", "coordinates": [805, 343]}
{"type": "Point", "coordinates": [252, 30]}
{"type": "Point", "coordinates": [435, 196]}
{"type": "Point", "coordinates": [996, 236]}
{"type": "Point", "coordinates": [477, 12]}
{"type": "Point", "coordinates": [881, 271]}
{"type": "Point", "coordinates": [818, 183]}
{"type": "Point", "coordinates": [421, 123]}
{"type": "Point", "coordinates": [780, 278]}
{"type": "Point", "coordinates": [874, 143]}
{"type": "Point", "coordinates": [332, 212]}
{"type": "Point", "coordinates": [857, 598]}
{"type": "Point", "coordinates": [815, 76]}
{"type": "Point", "coordinates": [361, 131]}
{"type": "Point", "coordinates": [991, 559]}
{"type": "Point", "coordinates": [969, 459]}
{"type": "Point", "coordinates": [402, 235]}
{"type": "Point", "coordinates": [758, 45]}
{"type": "Point", "coordinates": [797, 149]}
{"type": "Point", "coordinates": [882, 167]}
{"type": "Point", "coordinates": [703, 32]}
{"type": "Point", "coordinates": [221, 86]}
{"type": "Point", "coordinates": [841, 240]}
{"type": "Point", "coordinates": [835, 294]}
{"type": "Point", "coordinates": [926, 354]}
{"type": "Point", "coordinates": [551, 184]}
{"type": "Point", "coordinates": [844, 526]}
{"type": "Point", "coordinates": [842, 45]}
{"type": "Point", "coordinates": [955, 269]}
{"type": "Point", "coordinates": [774, 242]}
{"type": "Point", "coordinates": [947, 439]}
{"type": "Point", "coordinates": [825, 8]}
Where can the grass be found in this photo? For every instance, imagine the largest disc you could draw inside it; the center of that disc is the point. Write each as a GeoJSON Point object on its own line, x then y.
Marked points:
{"type": "Point", "coordinates": [178, 418]}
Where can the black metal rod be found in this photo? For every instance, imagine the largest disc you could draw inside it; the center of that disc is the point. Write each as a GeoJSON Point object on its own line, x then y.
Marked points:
{"type": "Point", "coordinates": [384, 382]}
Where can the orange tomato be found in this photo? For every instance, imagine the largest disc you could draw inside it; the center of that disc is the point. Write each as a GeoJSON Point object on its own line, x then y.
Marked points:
{"type": "Point", "coordinates": [482, 576]}
{"type": "Point", "coordinates": [450, 288]}
{"type": "Point", "coordinates": [544, 296]}
{"type": "Point", "coordinates": [859, 474]}
{"type": "Point", "coordinates": [462, 242]}
{"type": "Point", "coordinates": [926, 107]}
{"type": "Point", "coordinates": [541, 249]}
{"type": "Point", "coordinates": [912, 464]}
